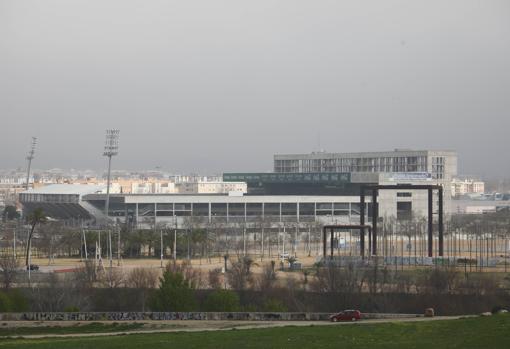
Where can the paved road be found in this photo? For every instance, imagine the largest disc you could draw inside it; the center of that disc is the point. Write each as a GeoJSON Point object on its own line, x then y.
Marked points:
{"type": "Point", "coordinates": [200, 326]}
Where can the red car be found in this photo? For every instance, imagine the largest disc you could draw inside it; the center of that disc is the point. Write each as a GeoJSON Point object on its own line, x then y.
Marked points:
{"type": "Point", "coordinates": [346, 315]}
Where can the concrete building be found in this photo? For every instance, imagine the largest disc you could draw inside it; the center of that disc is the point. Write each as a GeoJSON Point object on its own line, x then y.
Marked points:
{"type": "Point", "coordinates": [479, 206]}
{"type": "Point", "coordinates": [86, 202]}
{"type": "Point", "coordinates": [210, 187]}
{"type": "Point", "coordinates": [442, 165]}
{"type": "Point", "coordinates": [466, 186]}
{"type": "Point", "coordinates": [392, 203]}
{"type": "Point", "coordinates": [398, 166]}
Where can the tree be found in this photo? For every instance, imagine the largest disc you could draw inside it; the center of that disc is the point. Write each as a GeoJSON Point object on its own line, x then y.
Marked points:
{"type": "Point", "coordinates": [239, 274]}
{"type": "Point", "coordinates": [35, 218]}
{"type": "Point", "coordinates": [10, 213]}
{"type": "Point", "coordinates": [222, 300]}
{"type": "Point", "coordinates": [9, 269]}
{"type": "Point", "coordinates": [267, 278]}
{"type": "Point", "coordinates": [214, 278]}
{"type": "Point", "coordinates": [142, 279]}
{"type": "Point", "coordinates": [174, 294]}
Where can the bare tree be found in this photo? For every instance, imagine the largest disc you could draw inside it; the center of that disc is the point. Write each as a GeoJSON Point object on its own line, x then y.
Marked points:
{"type": "Point", "coordinates": [239, 274]}
{"type": "Point", "coordinates": [112, 278]}
{"type": "Point", "coordinates": [87, 275]}
{"type": "Point", "coordinates": [142, 279]}
{"type": "Point", "coordinates": [267, 279]}
{"type": "Point", "coordinates": [9, 270]}
{"type": "Point", "coordinates": [194, 277]}
{"type": "Point", "coordinates": [215, 278]}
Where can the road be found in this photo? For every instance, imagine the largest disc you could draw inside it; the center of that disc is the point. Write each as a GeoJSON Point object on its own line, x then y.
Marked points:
{"type": "Point", "coordinates": [199, 326]}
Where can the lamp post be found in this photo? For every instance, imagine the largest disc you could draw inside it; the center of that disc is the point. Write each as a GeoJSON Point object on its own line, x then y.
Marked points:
{"type": "Point", "coordinates": [161, 246]}
{"type": "Point", "coordinates": [175, 240]}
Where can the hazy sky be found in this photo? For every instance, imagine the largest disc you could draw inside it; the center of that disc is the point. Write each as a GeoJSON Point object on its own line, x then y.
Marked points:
{"type": "Point", "coordinates": [212, 85]}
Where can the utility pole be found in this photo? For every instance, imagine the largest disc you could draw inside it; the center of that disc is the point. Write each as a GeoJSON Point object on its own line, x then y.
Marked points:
{"type": "Point", "coordinates": [161, 246]}
{"type": "Point", "coordinates": [244, 240]}
{"type": "Point", "coordinates": [175, 241]}
{"type": "Point", "coordinates": [84, 242]}
{"type": "Point", "coordinates": [296, 240]}
{"type": "Point", "coordinates": [118, 246]}
{"type": "Point", "coordinates": [98, 250]}
{"type": "Point", "coordinates": [18, 227]}
{"type": "Point", "coordinates": [262, 243]}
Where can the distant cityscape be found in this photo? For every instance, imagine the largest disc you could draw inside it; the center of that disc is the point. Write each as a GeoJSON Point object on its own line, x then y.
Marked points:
{"type": "Point", "coordinates": [465, 194]}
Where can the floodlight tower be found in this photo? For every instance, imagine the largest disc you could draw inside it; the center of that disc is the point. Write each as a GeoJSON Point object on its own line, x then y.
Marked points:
{"type": "Point", "coordinates": [111, 147]}
{"type": "Point", "coordinates": [30, 157]}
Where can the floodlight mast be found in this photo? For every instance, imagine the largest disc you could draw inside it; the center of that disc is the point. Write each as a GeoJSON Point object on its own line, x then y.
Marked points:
{"type": "Point", "coordinates": [111, 148]}
{"type": "Point", "coordinates": [29, 158]}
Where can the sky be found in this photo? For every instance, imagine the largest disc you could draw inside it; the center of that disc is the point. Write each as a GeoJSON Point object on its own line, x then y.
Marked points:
{"type": "Point", "coordinates": [201, 86]}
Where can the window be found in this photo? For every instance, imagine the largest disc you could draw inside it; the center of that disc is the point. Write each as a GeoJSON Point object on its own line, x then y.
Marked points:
{"type": "Point", "coordinates": [201, 210]}
{"type": "Point", "coordinates": [236, 209]}
{"type": "Point", "coordinates": [254, 209]}
{"type": "Point", "coordinates": [272, 209]}
{"type": "Point", "coordinates": [306, 209]}
{"type": "Point", "coordinates": [219, 209]}
{"type": "Point", "coordinates": [289, 209]}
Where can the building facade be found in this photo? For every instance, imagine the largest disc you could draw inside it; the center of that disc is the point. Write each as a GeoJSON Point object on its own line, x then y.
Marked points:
{"type": "Point", "coordinates": [462, 187]}
{"type": "Point", "coordinates": [442, 165]}
{"type": "Point", "coordinates": [75, 202]}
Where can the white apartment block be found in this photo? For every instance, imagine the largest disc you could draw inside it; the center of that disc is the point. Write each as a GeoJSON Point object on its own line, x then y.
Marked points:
{"type": "Point", "coordinates": [211, 187]}
{"type": "Point", "coordinates": [467, 186]}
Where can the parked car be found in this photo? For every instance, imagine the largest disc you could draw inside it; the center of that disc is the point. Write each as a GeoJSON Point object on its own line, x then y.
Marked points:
{"type": "Point", "coordinates": [284, 256]}
{"type": "Point", "coordinates": [33, 267]}
{"type": "Point", "coordinates": [346, 315]}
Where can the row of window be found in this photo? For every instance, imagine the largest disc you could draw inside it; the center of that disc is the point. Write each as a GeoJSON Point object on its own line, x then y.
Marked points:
{"type": "Point", "coordinates": [378, 164]}
{"type": "Point", "coordinates": [239, 209]}
{"type": "Point", "coordinates": [51, 198]}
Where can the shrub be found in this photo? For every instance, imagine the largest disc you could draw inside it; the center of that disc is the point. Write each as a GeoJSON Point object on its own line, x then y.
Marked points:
{"type": "Point", "coordinates": [18, 300]}
{"type": "Point", "coordinates": [222, 300]}
{"type": "Point", "coordinates": [5, 303]}
{"type": "Point", "coordinates": [71, 309]}
{"type": "Point", "coordinates": [274, 306]}
{"type": "Point", "coordinates": [174, 294]}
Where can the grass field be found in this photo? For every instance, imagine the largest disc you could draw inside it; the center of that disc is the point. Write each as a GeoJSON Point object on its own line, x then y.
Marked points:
{"type": "Point", "coordinates": [483, 332]}
{"type": "Point", "coordinates": [94, 327]}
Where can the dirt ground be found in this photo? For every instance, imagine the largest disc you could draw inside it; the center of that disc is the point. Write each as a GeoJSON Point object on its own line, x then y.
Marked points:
{"type": "Point", "coordinates": [197, 325]}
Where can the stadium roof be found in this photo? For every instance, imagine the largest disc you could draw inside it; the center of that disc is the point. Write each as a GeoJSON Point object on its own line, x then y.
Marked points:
{"type": "Point", "coordinates": [77, 189]}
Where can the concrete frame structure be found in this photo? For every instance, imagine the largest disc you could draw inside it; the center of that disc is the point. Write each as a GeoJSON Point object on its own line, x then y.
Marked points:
{"type": "Point", "coordinates": [375, 216]}
{"type": "Point", "coordinates": [332, 229]}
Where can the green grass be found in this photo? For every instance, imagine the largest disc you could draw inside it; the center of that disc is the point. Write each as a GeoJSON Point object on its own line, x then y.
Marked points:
{"type": "Point", "coordinates": [484, 332]}
{"type": "Point", "coordinates": [94, 327]}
